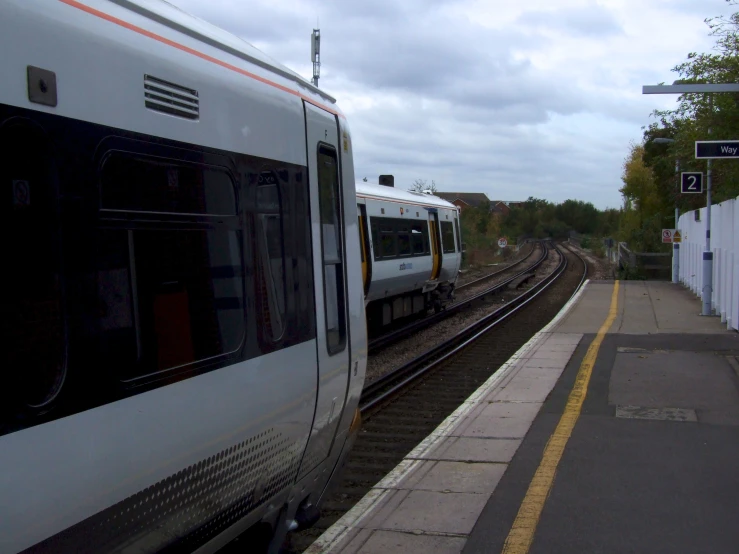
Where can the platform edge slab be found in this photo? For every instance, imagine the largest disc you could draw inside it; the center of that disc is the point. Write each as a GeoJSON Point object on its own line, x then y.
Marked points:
{"type": "Point", "coordinates": [339, 531]}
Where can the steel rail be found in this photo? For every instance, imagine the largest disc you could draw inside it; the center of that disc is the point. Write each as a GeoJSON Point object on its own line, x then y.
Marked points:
{"type": "Point", "coordinates": [394, 336]}
{"type": "Point", "coordinates": [399, 378]}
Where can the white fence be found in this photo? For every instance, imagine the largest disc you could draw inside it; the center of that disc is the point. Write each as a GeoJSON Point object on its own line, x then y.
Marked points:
{"type": "Point", "coordinates": [725, 247]}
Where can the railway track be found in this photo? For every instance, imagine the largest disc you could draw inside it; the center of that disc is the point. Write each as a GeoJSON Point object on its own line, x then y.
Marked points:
{"type": "Point", "coordinates": [474, 299]}
{"type": "Point", "coordinates": [404, 407]}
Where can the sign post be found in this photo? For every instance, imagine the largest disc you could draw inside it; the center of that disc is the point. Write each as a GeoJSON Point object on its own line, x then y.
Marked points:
{"type": "Point", "coordinates": [667, 235]}
{"type": "Point", "coordinates": [502, 242]}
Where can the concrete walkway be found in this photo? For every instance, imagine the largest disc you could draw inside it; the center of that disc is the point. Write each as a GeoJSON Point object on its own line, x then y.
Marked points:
{"type": "Point", "coordinates": [649, 465]}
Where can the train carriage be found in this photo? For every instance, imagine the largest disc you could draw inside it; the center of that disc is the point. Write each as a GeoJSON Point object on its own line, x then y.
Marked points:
{"type": "Point", "coordinates": [183, 323]}
{"type": "Point", "coordinates": [411, 251]}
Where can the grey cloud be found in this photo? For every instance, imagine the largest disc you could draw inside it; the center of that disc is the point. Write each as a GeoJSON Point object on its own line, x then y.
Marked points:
{"type": "Point", "coordinates": [585, 21]}
{"type": "Point", "coordinates": [485, 128]}
{"type": "Point", "coordinates": [409, 47]}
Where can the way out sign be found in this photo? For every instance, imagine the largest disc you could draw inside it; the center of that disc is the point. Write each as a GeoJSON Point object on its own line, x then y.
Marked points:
{"type": "Point", "coordinates": [691, 182]}
{"type": "Point", "coordinates": [716, 149]}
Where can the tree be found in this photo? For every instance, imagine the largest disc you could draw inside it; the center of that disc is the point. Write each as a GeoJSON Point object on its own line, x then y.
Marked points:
{"type": "Point", "coordinates": [697, 113]}
{"type": "Point", "coordinates": [650, 190]}
{"type": "Point", "coordinates": [419, 185]}
{"type": "Point", "coordinates": [645, 212]}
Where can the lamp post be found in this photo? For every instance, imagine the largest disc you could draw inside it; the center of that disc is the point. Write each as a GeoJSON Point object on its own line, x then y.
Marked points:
{"type": "Point", "coordinates": [675, 245]}
{"type": "Point", "coordinates": [700, 88]}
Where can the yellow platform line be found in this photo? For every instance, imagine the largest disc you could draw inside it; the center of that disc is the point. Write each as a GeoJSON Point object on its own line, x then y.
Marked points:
{"type": "Point", "coordinates": [522, 532]}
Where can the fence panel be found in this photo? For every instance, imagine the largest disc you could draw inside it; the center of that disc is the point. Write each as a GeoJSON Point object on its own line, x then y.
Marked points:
{"type": "Point", "coordinates": [725, 248]}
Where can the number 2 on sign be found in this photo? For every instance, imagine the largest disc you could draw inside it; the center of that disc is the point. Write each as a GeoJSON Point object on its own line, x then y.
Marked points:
{"type": "Point", "coordinates": [693, 180]}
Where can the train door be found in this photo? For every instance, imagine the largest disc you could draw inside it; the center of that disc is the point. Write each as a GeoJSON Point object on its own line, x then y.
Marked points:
{"type": "Point", "coordinates": [364, 247]}
{"type": "Point", "coordinates": [435, 245]}
{"type": "Point", "coordinates": [327, 224]}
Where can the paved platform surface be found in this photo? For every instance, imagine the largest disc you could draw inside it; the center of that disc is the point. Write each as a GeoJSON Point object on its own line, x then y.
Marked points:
{"type": "Point", "coordinates": [650, 462]}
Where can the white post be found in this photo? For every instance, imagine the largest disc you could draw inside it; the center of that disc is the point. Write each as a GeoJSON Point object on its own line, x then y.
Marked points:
{"type": "Point", "coordinates": [676, 245]}
{"type": "Point", "coordinates": [707, 291]}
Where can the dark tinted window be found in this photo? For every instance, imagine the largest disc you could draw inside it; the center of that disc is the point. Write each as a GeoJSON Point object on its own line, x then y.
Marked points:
{"type": "Point", "coordinates": [459, 235]}
{"type": "Point", "coordinates": [271, 254]}
{"type": "Point", "coordinates": [33, 356]}
{"type": "Point", "coordinates": [396, 237]}
{"type": "Point", "coordinates": [138, 183]}
{"type": "Point", "coordinates": [404, 239]}
{"type": "Point", "coordinates": [447, 237]}
{"type": "Point", "coordinates": [388, 240]}
{"type": "Point", "coordinates": [187, 292]}
{"type": "Point", "coordinates": [333, 266]}
{"type": "Point", "coordinates": [419, 238]}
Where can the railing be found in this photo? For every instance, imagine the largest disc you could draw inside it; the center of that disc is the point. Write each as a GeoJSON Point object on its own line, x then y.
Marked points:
{"type": "Point", "coordinates": [648, 265]}
{"type": "Point", "coordinates": [725, 248]}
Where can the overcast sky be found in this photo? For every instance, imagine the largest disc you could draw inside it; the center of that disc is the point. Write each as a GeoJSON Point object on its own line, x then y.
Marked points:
{"type": "Point", "coordinates": [514, 99]}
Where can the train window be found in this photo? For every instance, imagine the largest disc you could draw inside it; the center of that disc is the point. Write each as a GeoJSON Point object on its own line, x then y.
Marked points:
{"type": "Point", "coordinates": [447, 237]}
{"type": "Point", "coordinates": [459, 236]}
{"type": "Point", "coordinates": [388, 241]}
{"type": "Point", "coordinates": [138, 183]}
{"type": "Point", "coordinates": [419, 238]}
{"type": "Point", "coordinates": [271, 255]}
{"type": "Point", "coordinates": [404, 239]}
{"type": "Point", "coordinates": [188, 300]}
{"type": "Point", "coordinates": [333, 262]}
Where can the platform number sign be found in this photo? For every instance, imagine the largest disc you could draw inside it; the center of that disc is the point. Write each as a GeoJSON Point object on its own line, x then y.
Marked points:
{"type": "Point", "coordinates": [691, 182]}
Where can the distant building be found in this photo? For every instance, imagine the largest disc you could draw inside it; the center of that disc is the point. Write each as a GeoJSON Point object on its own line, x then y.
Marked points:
{"type": "Point", "coordinates": [478, 200]}
{"type": "Point", "coordinates": [503, 207]}
{"type": "Point", "coordinates": [465, 199]}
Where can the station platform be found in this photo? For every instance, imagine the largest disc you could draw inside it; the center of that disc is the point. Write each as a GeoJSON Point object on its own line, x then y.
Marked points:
{"type": "Point", "coordinates": [614, 429]}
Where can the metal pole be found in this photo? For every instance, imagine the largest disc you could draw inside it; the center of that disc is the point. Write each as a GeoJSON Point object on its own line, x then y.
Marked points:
{"type": "Point", "coordinates": [708, 254]}
{"type": "Point", "coordinates": [676, 245]}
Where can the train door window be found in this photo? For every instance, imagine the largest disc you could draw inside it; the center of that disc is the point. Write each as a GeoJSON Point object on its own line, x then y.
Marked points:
{"type": "Point", "coordinates": [271, 255]}
{"type": "Point", "coordinates": [447, 237]}
{"type": "Point", "coordinates": [404, 238]}
{"type": "Point", "coordinates": [418, 239]}
{"type": "Point", "coordinates": [333, 262]}
{"type": "Point", "coordinates": [459, 236]}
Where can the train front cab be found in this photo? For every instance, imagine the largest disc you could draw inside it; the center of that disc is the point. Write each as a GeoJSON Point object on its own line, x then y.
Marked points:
{"type": "Point", "coordinates": [159, 373]}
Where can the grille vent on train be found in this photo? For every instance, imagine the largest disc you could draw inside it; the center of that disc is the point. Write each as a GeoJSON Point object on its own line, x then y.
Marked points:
{"type": "Point", "coordinates": [163, 96]}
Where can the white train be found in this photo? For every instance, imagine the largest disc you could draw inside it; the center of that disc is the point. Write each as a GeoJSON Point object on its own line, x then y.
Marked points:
{"type": "Point", "coordinates": [411, 251]}
{"type": "Point", "coordinates": [183, 323]}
